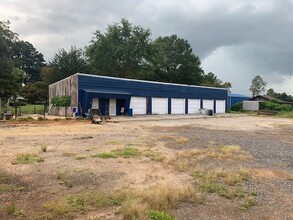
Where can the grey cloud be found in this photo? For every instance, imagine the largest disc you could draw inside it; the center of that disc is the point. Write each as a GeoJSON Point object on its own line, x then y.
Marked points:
{"type": "Point", "coordinates": [255, 33]}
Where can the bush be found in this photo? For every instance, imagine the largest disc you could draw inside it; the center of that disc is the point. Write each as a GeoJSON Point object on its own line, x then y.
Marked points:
{"type": "Point", "coordinates": [61, 100]}
{"type": "Point", "coordinates": [275, 106]}
{"type": "Point", "coordinates": [237, 106]}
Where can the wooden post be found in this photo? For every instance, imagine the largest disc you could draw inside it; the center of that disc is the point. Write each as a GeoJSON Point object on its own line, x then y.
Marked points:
{"type": "Point", "coordinates": [15, 106]}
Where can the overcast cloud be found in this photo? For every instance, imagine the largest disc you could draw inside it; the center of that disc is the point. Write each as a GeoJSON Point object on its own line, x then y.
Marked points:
{"type": "Point", "coordinates": [235, 39]}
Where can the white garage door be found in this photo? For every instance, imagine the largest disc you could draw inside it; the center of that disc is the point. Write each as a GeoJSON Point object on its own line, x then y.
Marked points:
{"type": "Point", "coordinates": [112, 106]}
{"type": "Point", "coordinates": [208, 104]}
{"type": "Point", "coordinates": [160, 106]}
{"type": "Point", "coordinates": [177, 106]}
{"type": "Point", "coordinates": [95, 103]}
{"type": "Point", "coordinates": [193, 106]}
{"type": "Point", "coordinates": [220, 106]}
{"type": "Point", "coordinates": [138, 105]}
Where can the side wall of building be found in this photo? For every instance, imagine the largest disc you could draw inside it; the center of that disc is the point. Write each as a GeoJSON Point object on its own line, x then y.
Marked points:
{"type": "Point", "coordinates": [68, 87]}
{"type": "Point", "coordinates": [90, 87]}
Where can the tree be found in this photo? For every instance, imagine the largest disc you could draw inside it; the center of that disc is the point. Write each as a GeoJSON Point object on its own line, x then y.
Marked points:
{"type": "Point", "coordinates": [49, 75]}
{"type": "Point", "coordinates": [173, 61]}
{"type": "Point", "coordinates": [258, 86]}
{"type": "Point", "coordinates": [67, 63]}
{"type": "Point", "coordinates": [271, 92]}
{"type": "Point", "coordinates": [27, 58]}
{"type": "Point", "coordinates": [121, 51]}
{"type": "Point", "coordinates": [281, 96]}
{"type": "Point", "coordinates": [36, 92]}
{"type": "Point", "coordinates": [7, 78]}
{"type": "Point", "coordinates": [212, 80]}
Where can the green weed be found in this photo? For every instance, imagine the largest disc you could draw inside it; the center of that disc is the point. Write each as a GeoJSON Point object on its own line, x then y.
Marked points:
{"type": "Point", "coordinates": [160, 215]}
{"type": "Point", "coordinates": [123, 152]}
{"type": "Point", "coordinates": [26, 159]}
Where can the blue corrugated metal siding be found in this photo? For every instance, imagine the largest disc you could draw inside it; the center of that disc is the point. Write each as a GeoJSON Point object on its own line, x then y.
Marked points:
{"type": "Point", "coordinates": [144, 89]}
{"type": "Point", "coordinates": [234, 98]}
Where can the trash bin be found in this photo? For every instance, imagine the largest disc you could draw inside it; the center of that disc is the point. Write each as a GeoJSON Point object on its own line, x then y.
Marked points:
{"type": "Point", "coordinates": [130, 112]}
{"type": "Point", "coordinates": [210, 112]}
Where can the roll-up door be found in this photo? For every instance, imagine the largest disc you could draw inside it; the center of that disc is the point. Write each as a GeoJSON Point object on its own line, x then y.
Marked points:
{"type": "Point", "coordinates": [220, 106]}
{"type": "Point", "coordinates": [159, 106]}
{"type": "Point", "coordinates": [208, 104]}
{"type": "Point", "coordinates": [177, 106]}
{"type": "Point", "coordinates": [193, 106]}
{"type": "Point", "coordinates": [138, 105]}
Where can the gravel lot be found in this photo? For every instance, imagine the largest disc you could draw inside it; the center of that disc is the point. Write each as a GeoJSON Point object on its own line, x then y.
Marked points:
{"type": "Point", "coordinates": [267, 140]}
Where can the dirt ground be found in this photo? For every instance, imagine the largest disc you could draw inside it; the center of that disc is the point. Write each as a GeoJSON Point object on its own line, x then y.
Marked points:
{"type": "Point", "coordinates": [174, 151]}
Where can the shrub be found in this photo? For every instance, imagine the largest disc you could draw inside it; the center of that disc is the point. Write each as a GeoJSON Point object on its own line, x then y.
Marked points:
{"type": "Point", "coordinates": [273, 105]}
{"type": "Point", "coordinates": [40, 118]}
{"type": "Point", "coordinates": [237, 106]}
{"type": "Point", "coordinates": [61, 100]}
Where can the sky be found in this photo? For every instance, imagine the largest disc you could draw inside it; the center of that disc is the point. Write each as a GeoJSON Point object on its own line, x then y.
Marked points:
{"type": "Point", "coordinates": [235, 39]}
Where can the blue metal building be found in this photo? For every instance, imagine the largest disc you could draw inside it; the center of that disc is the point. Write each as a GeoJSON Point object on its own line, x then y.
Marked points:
{"type": "Point", "coordinates": [233, 98]}
{"type": "Point", "coordinates": [115, 96]}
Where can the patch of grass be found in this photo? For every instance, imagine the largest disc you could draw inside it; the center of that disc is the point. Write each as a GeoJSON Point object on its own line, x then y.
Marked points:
{"type": "Point", "coordinates": [69, 154]}
{"type": "Point", "coordinates": [150, 203]}
{"type": "Point", "coordinates": [8, 187]}
{"type": "Point", "coordinates": [63, 179]}
{"type": "Point", "coordinates": [153, 155]}
{"type": "Point", "coordinates": [160, 215]}
{"type": "Point", "coordinates": [228, 184]}
{"type": "Point", "coordinates": [161, 197]}
{"type": "Point", "coordinates": [285, 114]}
{"type": "Point", "coordinates": [80, 157]}
{"type": "Point", "coordinates": [127, 152]}
{"type": "Point", "coordinates": [181, 140]}
{"type": "Point", "coordinates": [4, 176]}
{"type": "Point", "coordinates": [106, 155]}
{"type": "Point", "coordinates": [82, 202]}
{"type": "Point", "coordinates": [9, 183]}
{"type": "Point", "coordinates": [248, 202]}
{"type": "Point", "coordinates": [123, 152]}
{"type": "Point", "coordinates": [230, 149]}
{"type": "Point", "coordinates": [88, 201]}
{"type": "Point", "coordinates": [188, 159]}
{"type": "Point", "coordinates": [26, 159]}
{"type": "Point", "coordinates": [25, 118]}
{"type": "Point", "coordinates": [29, 109]}
{"type": "Point", "coordinates": [10, 209]}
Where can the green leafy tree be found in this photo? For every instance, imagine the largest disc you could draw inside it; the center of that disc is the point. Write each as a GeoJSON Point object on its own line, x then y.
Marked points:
{"type": "Point", "coordinates": [37, 92]}
{"type": "Point", "coordinates": [121, 51]}
{"type": "Point", "coordinates": [7, 78]}
{"type": "Point", "coordinates": [258, 86]}
{"type": "Point", "coordinates": [212, 80]}
{"type": "Point", "coordinates": [281, 96]}
{"type": "Point", "coordinates": [27, 58]}
{"type": "Point", "coordinates": [49, 75]}
{"type": "Point", "coordinates": [173, 61]}
{"type": "Point", "coordinates": [67, 63]}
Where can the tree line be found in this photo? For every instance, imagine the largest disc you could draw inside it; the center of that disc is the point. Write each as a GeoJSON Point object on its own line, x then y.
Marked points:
{"type": "Point", "coordinates": [123, 50]}
{"type": "Point", "coordinates": [258, 87]}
